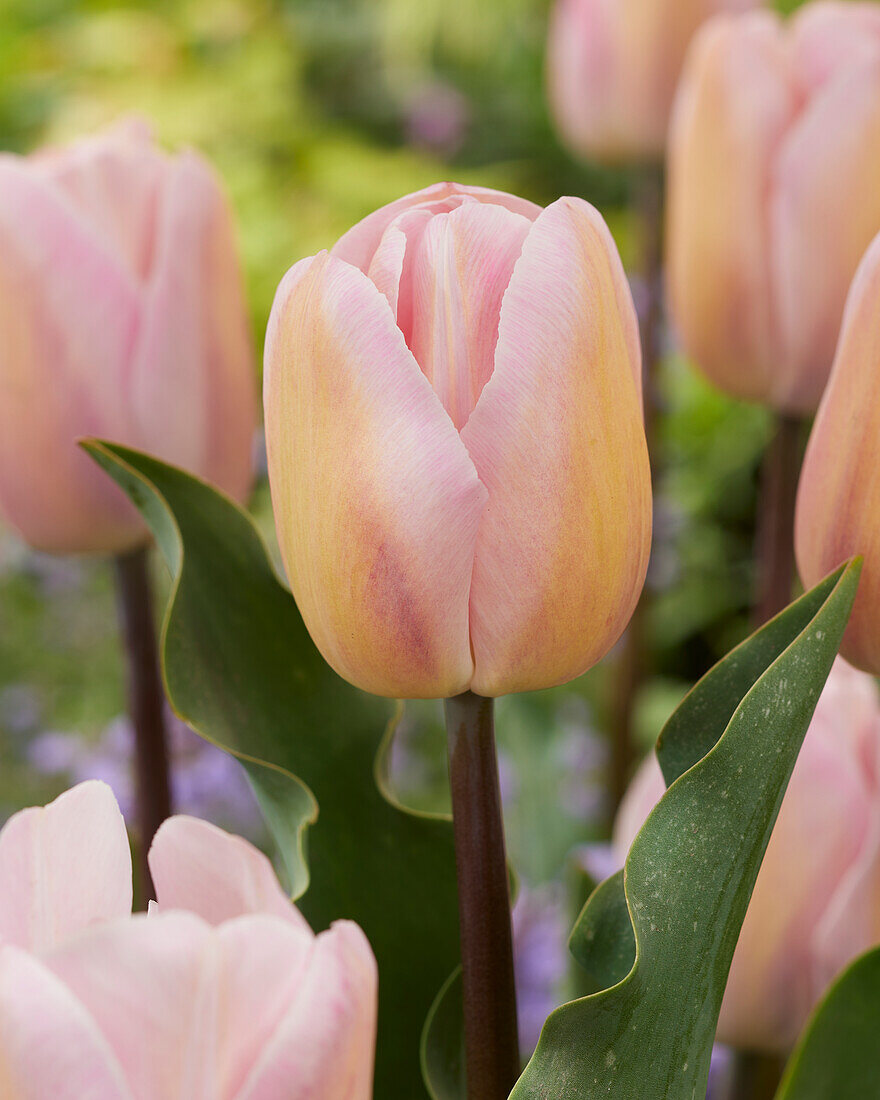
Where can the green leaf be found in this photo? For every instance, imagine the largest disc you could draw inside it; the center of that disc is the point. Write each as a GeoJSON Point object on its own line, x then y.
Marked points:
{"type": "Point", "coordinates": [443, 1044]}
{"type": "Point", "coordinates": [240, 668]}
{"type": "Point", "coordinates": [837, 1055]}
{"type": "Point", "coordinates": [662, 935]}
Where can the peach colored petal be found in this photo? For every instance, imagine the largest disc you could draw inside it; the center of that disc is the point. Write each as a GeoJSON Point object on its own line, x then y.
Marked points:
{"type": "Point", "coordinates": [736, 102]}
{"type": "Point", "coordinates": [839, 493]}
{"type": "Point", "coordinates": [50, 1047]}
{"type": "Point", "coordinates": [202, 869]}
{"type": "Point", "coordinates": [68, 312]}
{"type": "Point", "coordinates": [63, 868]}
{"type": "Point", "coordinates": [376, 501]}
{"type": "Point", "coordinates": [818, 236]}
{"type": "Point", "coordinates": [324, 1045]}
{"type": "Point", "coordinates": [359, 244]}
{"type": "Point", "coordinates": [557, 439]}
{"type": "Point", "coordinates": [463, 264]}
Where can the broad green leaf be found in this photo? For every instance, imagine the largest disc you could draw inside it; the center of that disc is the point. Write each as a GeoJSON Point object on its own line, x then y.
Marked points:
{"type": "Point", "coordinates": [663, 934]}
{"type": "Point", "coordinates": [837, 1057]}
{"type": "Point", "coordinates": [241, 669]}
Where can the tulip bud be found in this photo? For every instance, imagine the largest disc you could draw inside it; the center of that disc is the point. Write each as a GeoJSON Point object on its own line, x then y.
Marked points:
{"type": "Point", "coordinates": [814, 907]}
{"type": "Point", "coordinates": [612, 70]}
{"type": "Point", "coordinates": [838, 504]}
{"type": "Point", "coordinates": [223, 991]}
{"type": "Point", "coordinates": [461, 487]}
{"type": "Point", "coordinates": [774, 194]}
{"type": "Point", "coordinates": [123, 317]}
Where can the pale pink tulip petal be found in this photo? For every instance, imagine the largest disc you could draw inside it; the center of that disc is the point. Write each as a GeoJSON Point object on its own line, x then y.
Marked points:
{"type": "Point", "coordinates": [389, 607]}
{"type": "Point", "coordinates": [557, 440]}
{"type": "Point", "coordinates": [200, 868]}
{"type": "Point", "coordinates": [186, 1008]}
{"type": "Point", "coordinates": [324, 1045]}
{"type": "Point", "coordinates": [192, 389]}
{"type": "Point", "coordinates": [360, 243]}
{"type": "Point", "coordinates": [50, 1047]}
{"type": "Point", "coordinates": [113, 179]}
{"type": "Point", "coordinates": [738, 98]}
{"type": "Point", "coordinates": [63, 868]}
{"type": "Point", "coordinates": [68, 311]}
{"type": "Point", "coordinates": [829, 38]}
{"type": "Point", "coordinates": [458, 277]}
{"type": "Point", "coordinates": [644, 792]}
{"type": "Point", "coordinates": [839, 493]}
{"type": "Point", "coordinates": [818, 237]}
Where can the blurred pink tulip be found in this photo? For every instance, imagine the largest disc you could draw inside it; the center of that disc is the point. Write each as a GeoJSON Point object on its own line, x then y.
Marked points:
{"type": "Point", "coordinates": [774, 195]}
{"type": "Point", "coordinates": [222, 993]}
{"type": "Point", "coordinates": [612, 70]}
{"type": "Point", "coordinates": [816, 904]}
{"type": "Point", "coordinates": [123, 317]}
{"type": "Point", "coordinates": [838, 505]}
{"type": "Point", "coordinates": [460, 483]}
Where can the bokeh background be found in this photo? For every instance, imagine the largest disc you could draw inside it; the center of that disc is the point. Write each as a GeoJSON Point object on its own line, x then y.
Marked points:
{"type": "Point", "coordinates": [315, 112]}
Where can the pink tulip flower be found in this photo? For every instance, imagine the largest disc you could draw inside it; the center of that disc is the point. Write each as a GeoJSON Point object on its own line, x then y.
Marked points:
{"type": "Point", "coordinates": [123, 317]}
{"type": "Point", "coordinates": [222, 993]}
{"type": "Point", "coordinates": [816, 904]}
{"type": "Point", "coordinates": [612, 70]}
{"type": "Point", "coordinates": [838, 504]}
{"type": "Point", "coordinates": [774, 195]}
{"type": "Point", "coordinates": [456, 450]}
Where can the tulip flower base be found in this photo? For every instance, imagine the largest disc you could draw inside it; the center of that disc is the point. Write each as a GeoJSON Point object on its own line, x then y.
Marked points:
{"type": "Point", "coordinates": [241, 669]}
{"type": "Point", "coordinates": [659, 937]}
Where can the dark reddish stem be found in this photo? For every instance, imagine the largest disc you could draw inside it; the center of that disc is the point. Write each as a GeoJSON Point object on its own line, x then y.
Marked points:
{"type": "Point", "coordinates": [633, 662]}
{"type": "Point", "coordinates": [490, 1024]}
{"type": "Point", "coordinates": [754, 1076]}
{"type": "Point", "coordinates": [774, 557]}
{"type": "Point", "coordinates": [146, 703]}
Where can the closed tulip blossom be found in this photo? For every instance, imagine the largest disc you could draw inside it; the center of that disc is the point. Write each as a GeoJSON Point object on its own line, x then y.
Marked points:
{"type": "Point", "coordinates": [123, 317]}
{"type": "Point", "coordinates": [774, 171]}
{"type": "Point", "coordinates": [613, 67]}
{"type": "Point", "coordinates": [815, 904]}
{"type": "Point", "coordinates": [456, 450]}
{"type": "Point", "coordinates": [222, 993]}
{"type": "Point", "coordinates": [838, 504]}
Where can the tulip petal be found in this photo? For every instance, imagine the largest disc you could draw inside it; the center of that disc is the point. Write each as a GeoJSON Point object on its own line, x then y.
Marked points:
{"type": "Point", "coordinates": [49, 1045]}
{"type": "Point", "coordinates": [192, 384]}
{"type": "Point", "coordinates": [68, 311]}
{"type": "Point", "coordinates": [557, 439]}
{"type": "Point", "coordinates": [204, 870]}
{"type": "Point", "coordinates": [359, 244]}
{"type": "Point", "coordinates": [63, 867]}
{"type": "Point", "coordinates": [456, 281]}
{"type": "Point", "coordinates": [839, 493]}
{"type": "Point", "coordinates": [736, 102]}
{"type": "Point", "coordinates": [324, 1046]}
{"type": "Point", "coordinates": [187, 1009]}
{"type": "Point", "coordinates": [363, 459]}
{"type": "Point", "coordinates": [818, 240]}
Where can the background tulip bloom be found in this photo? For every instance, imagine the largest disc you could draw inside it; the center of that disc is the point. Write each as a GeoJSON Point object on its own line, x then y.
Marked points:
{"type": "Point", "coordinates": [774, 172]}
{"type": "Point", "coordinates": [612, 70]}
{"type": "Point", "coordinates": [838, 505]}
{"type": "Point", "coordinates": [122, 315]}
{"type": "Point", "coordinates": [815, 905]}
{"type": "Point", "coordinates": [224, 993]}
{"type": "Point", "coordinates": [456, 450]}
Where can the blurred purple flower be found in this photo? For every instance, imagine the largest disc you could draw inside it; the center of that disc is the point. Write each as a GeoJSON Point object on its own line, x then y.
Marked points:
{"type": "Point", "coordinates": [207, 782]}
{"type": "Point", "coordinates": [540, 936]}
{"type": "Point", "coordinates": [437, 118]}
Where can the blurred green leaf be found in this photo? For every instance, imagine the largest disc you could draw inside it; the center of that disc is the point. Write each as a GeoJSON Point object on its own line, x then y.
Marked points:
{"type": "Point", "coordinates": [662, 935]}
{"type": "Point", "coordinates": [241, 669]}
{"type": "Point", "coordinates": [837, 1054]}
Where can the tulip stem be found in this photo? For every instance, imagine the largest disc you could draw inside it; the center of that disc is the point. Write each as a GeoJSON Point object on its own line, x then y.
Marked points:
{"type": "Point", "coordinates": [754, 1076]}
{"type": "Point", "coordinates": [146, 702]}
{"type": "Point", "coordinates": [489, 993]}
{"type": "Point", "coordinates": [775, 522]}
{"type": "Point", "coordinates": [632, 665]}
